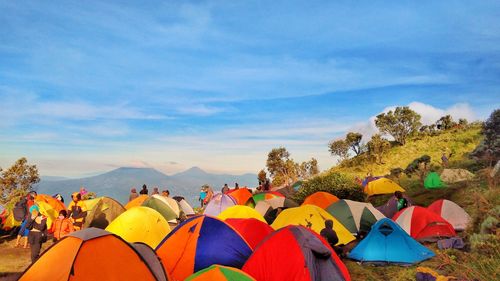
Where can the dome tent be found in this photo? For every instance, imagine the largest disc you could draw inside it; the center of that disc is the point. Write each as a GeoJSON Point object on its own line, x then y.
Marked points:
{"type": "Point", "coordinates": [451, 212]}
{"type": "Point", "coordinates": [252, 230]}
{"type": "Point", "coordinates": [240, 211]}
{"type": "Point", "coordinates": [355, 216]}
{"type": "Point", "coordinates": [423, 224]}
{"type": "Point", "coordinates": [220, 273]}
{"type": "Point", "coordinates": [218, 203]}
{"type": "Point", "coordinates": [387, 242]}
{"type": "Point", "coordinates": [382, 186]}
{"type": "Point", "coordinates": [321, 199]}
{"type": "Point", "coordinates": [433, 181]}
{"type": "Point", "coordinates": [101, 211]}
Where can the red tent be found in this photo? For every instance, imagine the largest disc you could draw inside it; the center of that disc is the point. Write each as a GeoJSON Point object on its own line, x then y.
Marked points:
{"type": "Point", "coordinates": [241, 195]}
{"type": "Point", "coordinates": [295, 253]}
{"type": "Point", "coordinates": [422, 224]}
{"type": "Point", "coordinates": [252, 230]}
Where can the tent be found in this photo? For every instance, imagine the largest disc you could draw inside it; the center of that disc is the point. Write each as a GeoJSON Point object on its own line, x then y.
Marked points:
{"type": "Point", "coordinates": [140, 224]}
{"type": "Point", "coordinates": [101, 211]}
{"type": "Point", "coordinates": [252, 230]}
{"type": "Point", "coordinates": [367, 180]}
{"type": "Point", "coordinates": [264, 196]}
{"type": "Point", "coordinates": [200, 242]}
{"type": "Point", "coordinates": [382, 186]}
{"type": "Point", "coordinates": [95, 254]}
{"type": "Point", "coordinates": [390, 208]}
{"type": "Point", "coordinates": [451, 212]}
{"type": "Point", "coordinates": [218, 203]}
{"type": "Point", "coordinates": [321, 199]}
{"type": "Point", "coordinates": [286, 191]}
{"type": "Point", "coordinates": [184, 206]}
{"type": "Point", "coordinates": [456, 175]}
{"type": "Point", "coordinates": [423, 224]}
{"type": "Point", "coordinates": [9, 222]}
{"type": "Point", "coordinates": [295, 253]}
{"type": "Point", "coordinates": [387, 242]}
{"type": "Point", "coordinates": [355, 216]}
{"type": "Point", "coordinates": [137, 201]}
{"type": "Point", "coordinates": [53, 202]}
{"type": "Point", "coordinates": [240, 212]}
{"type": "Point", "coordinates": [312, 217]}
{"type": "Point", "coordinates": [433, 181]}
{"type": "Point", "coordinates": [241, 195]}
{"type": "Point", "coordinates": [162, 206]}
{"type": "Point", "coordinates": [219, 272]}
{"type": "Point", "coordinates": [263, 206]}
{"type": "Point", "coordinates": [48, 211]}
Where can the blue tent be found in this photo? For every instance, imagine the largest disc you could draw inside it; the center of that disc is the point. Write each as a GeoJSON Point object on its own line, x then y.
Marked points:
{"type": "Point", "coordinates": [387, 242]}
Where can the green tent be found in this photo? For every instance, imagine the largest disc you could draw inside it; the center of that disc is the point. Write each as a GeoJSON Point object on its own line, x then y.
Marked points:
{"type": "Point", "coordinates": [433, 181]}
{"type": "Point", "coordinates": [355, 216]}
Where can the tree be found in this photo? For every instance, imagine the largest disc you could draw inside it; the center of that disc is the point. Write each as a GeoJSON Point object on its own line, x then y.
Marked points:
{"type": "Point", "coordinates": [354, 142]}
{"type": "Point", "coordinates": [308, 169]}
{"type": "Point", "coordinates": [339, 148]}
{"type": "Point", "coordinates": [420, 167]}
{"type": "Point", "coordinates": [462, 122]}
{"type": "Point", "coordinates": [400, 123]}
{"type": "Point", "coordinates": [281, 168]}
{"type": "Point", "coordinates": [17, 180]}
{"type": "Point", "coordinates": [262, 176]}
{"type": "Point", "coordinates": [489, 149]}
{"type": "Point", "coordinates": [337, 184]}
{"type": "Point", "coordinates": [377, 147]}
{"type": "Point", "coordinates": [445, 123]}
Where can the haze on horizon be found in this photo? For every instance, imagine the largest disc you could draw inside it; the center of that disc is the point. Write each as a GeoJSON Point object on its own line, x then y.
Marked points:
{"type": "Point", "coordinates": [86, 87]}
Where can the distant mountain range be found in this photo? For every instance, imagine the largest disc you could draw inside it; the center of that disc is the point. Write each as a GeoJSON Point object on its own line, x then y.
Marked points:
{"type": "Point", "coordinates": [117, 183]}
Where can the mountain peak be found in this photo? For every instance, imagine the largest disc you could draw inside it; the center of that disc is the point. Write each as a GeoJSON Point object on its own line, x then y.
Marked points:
{"type": "Point", "coordinates": [193, 171]}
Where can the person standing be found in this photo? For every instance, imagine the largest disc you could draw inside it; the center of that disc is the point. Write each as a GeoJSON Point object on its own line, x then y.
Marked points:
{"type": "Point", "coordinates": [144, 190]}
{"type": "Point", "coordinates": [133, 194]}
{"type": "Point", "coordinates": [225, 189]}
{"type": "Point", "coordinates": [77, 211]}
{"type": "Point", "coordinates": [155, 191]}
{"type": "Point", "coordinates": [37, 225]}
{"type": "Point", "coordinates": [203, 195]}
{"type": "Point", "coordinates": [62, 226]}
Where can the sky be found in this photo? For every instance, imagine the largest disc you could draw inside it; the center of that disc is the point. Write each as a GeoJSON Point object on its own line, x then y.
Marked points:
{"type": "Point", "coordinates": [89, 86]}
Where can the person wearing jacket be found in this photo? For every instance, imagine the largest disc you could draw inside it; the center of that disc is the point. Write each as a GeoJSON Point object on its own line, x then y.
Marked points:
{"type": "Point", "coordinates": [62, 226]}
{"type": "Point", "coordinates": [77, 211]}
{"type": "Point", "coordinates": [37, 225]}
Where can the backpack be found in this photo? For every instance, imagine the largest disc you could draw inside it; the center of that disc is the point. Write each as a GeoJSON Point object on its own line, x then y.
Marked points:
{"type": "Point", "coordinates": [20, 210]}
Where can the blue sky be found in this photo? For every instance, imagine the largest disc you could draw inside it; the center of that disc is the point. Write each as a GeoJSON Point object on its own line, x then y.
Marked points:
{"type": "Point", "coordinates": [87, 86]}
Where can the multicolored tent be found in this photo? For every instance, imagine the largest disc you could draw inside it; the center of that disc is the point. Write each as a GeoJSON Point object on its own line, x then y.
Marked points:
{"type": "Point", "coordinates": [355, 216]}
{"type": "Point", "coordinates": [387, 242]}
{"type": "Point", "coordinates": [53, 202]}
{"type": "Point", "coordinates": [295, 253]}
{"type": "Point", "coordinates": [219, 272]}
{"type": "Point", "coordinates": [390, 208]}
{"type": "Point", "coordinates": [218, 203]}
{"type": "Point", "coordinates": [277, 202]}
{"type": "Point", "coordinates": [252, 230]}
{"type": "Point", "coordinates": [137, 201]}
{"type": "Point", "coordinates": [451, 212]}
{"type": "Point", "coordinates": [48, 211]}
{"type": "Point", "coordinates": [264, 196]}
{"type": "Point", "coordinates": [321, 199]}
{"type": "Point", "coordinates": [140, 224]}
{"type": "Point", "coordinates": [312, 217]}
{"type": "Point", "coordinates": [240, 212]}
{"type": "Point", "coordinates": [200, 242]}
{"type": "Point", "coordinates": [162, 206]}
{"type": "Point", "coordinates": [101, 211]}
{"type": "Point", "coordinates": [433, 181]}
{"type": "Point", "coordinates": [95, 254]}
{"type": "Point", "coordinates": [240, 195]}
{"type": "Point", "coordinates": [382, 186]}
{"type": "Point", "coordinates": [9, 222]}
{"type": "Point", "coordinates": [423, 224]}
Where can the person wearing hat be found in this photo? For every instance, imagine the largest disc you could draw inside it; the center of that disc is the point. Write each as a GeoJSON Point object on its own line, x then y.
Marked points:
{"type": "Point", "coordinates": [37, 225]}
{"type": "Point", "coordinates": [77, 211]}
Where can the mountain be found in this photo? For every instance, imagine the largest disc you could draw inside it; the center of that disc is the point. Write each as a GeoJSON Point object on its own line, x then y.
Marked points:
{"type": "Point", "coordinates": [53, 178]}
{"type": "Point", "coordinates": [117, 183]}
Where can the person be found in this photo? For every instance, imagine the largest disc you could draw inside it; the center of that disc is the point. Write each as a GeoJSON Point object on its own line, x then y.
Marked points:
{"type": "Point", "coordinates": [331, 237]}
{"type": "Point", "coordinates": [402, 202]}
{"type": "Point", "coordinates": [267, 186]}
{"type": "Point", "coordinates": [165, 193]}
{"type": "Point", "coordinates": [21, 213]}
{"type": "Point", "coordinates": [203, 195]}
{"type": "Point", "coordinates": [225, 189]}
{"type": "Point", "coordinates": [62, 226]}
{"type": "Point", "coordinates": [210, 194]}
{"type": "Point", "coordinates": [22, 235]}
{"type": "Point", "coordinates": [83, 191]}
{"type": "Point", "coordinates": [77, 211]}
{"type": "Point", "coordinates": [444, 160]}
{"type": "Point", "coordinates": [155, 191]}
{"type": "Point", "coordinates": [144, 190]}
{"type": "Point", "coordinates": [59, 197]}
{"type": "Point", "coordinates": [133, 194]}
{"type": "Point", "coordinates": [236, 186]}
{"type": "Point", "coordinates": [37, 225]}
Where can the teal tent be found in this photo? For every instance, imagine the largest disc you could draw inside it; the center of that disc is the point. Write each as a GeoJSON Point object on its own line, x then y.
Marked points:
{"type": "Point", "coordinates": [433, 181]}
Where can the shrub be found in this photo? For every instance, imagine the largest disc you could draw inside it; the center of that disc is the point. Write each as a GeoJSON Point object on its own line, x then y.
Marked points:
{"type": "Point", "coordinates": [337, 184]}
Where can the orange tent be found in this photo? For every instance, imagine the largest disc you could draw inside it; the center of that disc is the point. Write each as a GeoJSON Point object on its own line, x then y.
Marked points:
{"type": "Point", "coordinates": [53, 202]}
{"type": "Point", "coordinates": [137, 201]}
{"type": "Point", "coordinates": [241, 195]}
{"type": "Point", "coordinates": [321, 199]}
{"type": "Point", "coordinates": [95, 254]}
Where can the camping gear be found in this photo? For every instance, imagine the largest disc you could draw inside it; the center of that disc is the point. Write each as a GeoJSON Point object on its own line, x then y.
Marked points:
{"type": "Point", "coordinates": [433, 181]}
{"type": "Point", "coordinates": [219, 203]}
{"type": "Point", "coordinates": [355, 216]}
{"type": "Point", "coordinates": [451, 212]}
{"type": "Point", "coordinates": [369, 179]}
{"type": "Point", "coordinates": [312, 217]}
{"type": "Point", "coordinates": [220, 273]}
{"type": "Point", "coordinates": [423, 224]}
{"type": "Point", "coordinates": [241, 212]}
{"type": "Point", "coordinates": [382, 186]}
{"type": "Point", "coordinates": [454, 242]}
{"type": "Point", "coordinates": [252, 230]}
{"type": "Point", "coordinates": [263, 196]}
{"type": "Point", "coordinates": [162, 206]}
{"type": "Point", "coordinates": [263, 206]}
{"type": "Point", "coordinates": [95, 254]}
{"type": "Point", "coordinates": [53, 202]}
{"type": "Point", "coordinates": [200, 242]}
{"type": "Point", "coordinates": [456, 175]}
{"type": "Point", "coordinates": [184, 206]}
{"type": "Point", "coordinates": [321, 199]}
{"type": "Point", "coordinates": [240, 195]}
{"type": "Point", "coordinates": [295, 253]}
{"type": "Point", "coordinates": [140, 224]}
{"type": "Point", "coordinates": [390, 208]}
{"type": "Point", "coordinates": [137, 201]}
{"type": "Point", "coordinates": [427, 274]}
{"type": "Point", "coordinates": [387, 242]}
{"type": "Point", "coordinates": [101, 211]}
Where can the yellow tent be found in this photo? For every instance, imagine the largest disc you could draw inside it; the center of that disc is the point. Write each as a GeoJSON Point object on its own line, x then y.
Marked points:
{"type": "Point", "coordinates": [10, 222]}
{"type": "Point", "coordinates": [240, 212]}
{"type": "Point", "coordinates": [382, 186]}
{"type": "Point", "coordinates": [137, 201]}
{"type": "Point", "coordinates": [47, 210]}
{"type": "Point", "coordinates": [140, 224]}
{"type": "Point", "coordinates": [312, 217]}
